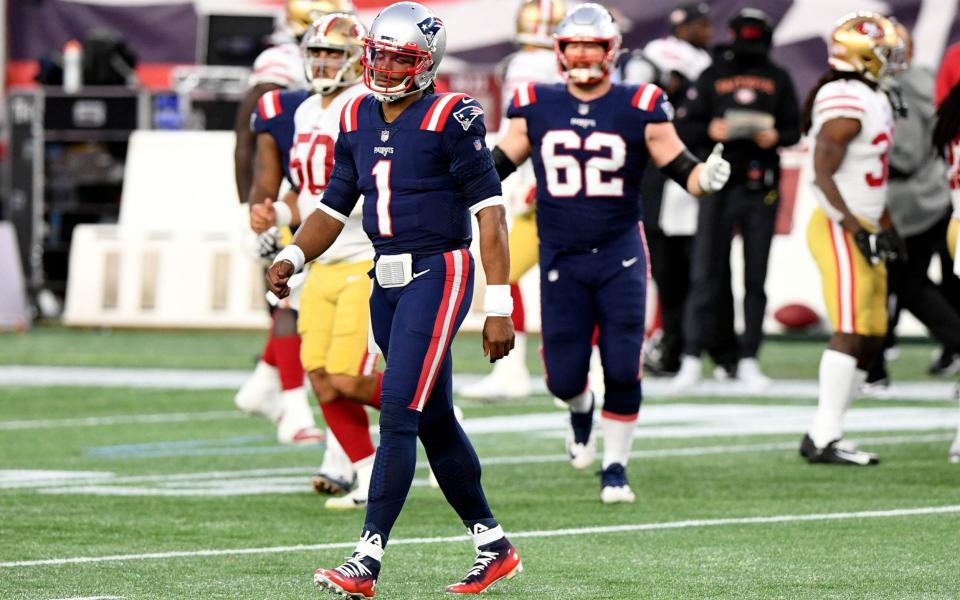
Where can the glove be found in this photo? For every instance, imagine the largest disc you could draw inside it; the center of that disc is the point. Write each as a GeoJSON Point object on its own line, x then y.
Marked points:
{"type": "Point", "coordinates": [867, 243]}
{"type": "Point", "coordinates": [263, 245]}
{"type": "Point", "coordinates": [890, 246]}
{"type": "Point", "coordinates": [715, 173]}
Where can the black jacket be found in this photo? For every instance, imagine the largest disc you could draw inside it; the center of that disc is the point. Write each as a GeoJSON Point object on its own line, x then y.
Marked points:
{"type": "Point", "coordinates": [729, 83]}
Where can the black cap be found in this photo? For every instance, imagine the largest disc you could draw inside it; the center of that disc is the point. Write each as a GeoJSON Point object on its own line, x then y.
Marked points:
{"type": "Point", "coordinates": [688, 13]}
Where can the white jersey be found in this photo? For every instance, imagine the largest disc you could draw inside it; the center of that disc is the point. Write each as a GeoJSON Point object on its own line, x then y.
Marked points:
{"type": "Point", "coordinates": [862, 176]}
{"type": "Point", "coordinates": [311, 160]}
{"type": "Point", "coordinates": [281, 65]}
{"type": "Point", "coordinates": [523, 68]}
{"type": "Point", "coordinates": [673, 54]}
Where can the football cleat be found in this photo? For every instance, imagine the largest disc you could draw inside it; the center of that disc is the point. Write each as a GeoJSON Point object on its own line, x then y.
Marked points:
{"type": "Point", "coordinates": [355, 499]}
{"type": "Point", "coordinates": [305, 436]}
{"type": "Point", "coordinates": [614, 488]}
{"type": "Point", "coordinates": [689, 375]}
{"type": "Point", "coordinates": [329, 485]}
{"type": "Point", "coordinates": [945, 363]}
{"type": "Point", "coordinates": [837, 452]}
{"type": "Point", "coordinates": [581, 455]}
{"type": "Point", "coordinates": [955, 450]}
{"type": "Point", "coordinates": [355, 578]}
{"type": "Point", "coordinates": [748, 371]}
{"type": "Point", "coordinates": [509, 379]}
{"type": "Point", "coordinates": [490, 567]}
{"type": "Point", "coordinates": [260, 394]}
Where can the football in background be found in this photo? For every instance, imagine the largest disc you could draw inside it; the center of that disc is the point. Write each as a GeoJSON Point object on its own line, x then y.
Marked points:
{"type": "Point", "coordinates": [796, 317]}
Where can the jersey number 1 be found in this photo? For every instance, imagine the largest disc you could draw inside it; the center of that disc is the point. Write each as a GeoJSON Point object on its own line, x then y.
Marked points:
{"type": "Point", "coordinates": [381, 171]}
{"type": "Point", "coordinates": [591, 176]}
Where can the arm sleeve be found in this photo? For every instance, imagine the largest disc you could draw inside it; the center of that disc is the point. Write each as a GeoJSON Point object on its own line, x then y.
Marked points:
{"type": "Point", "coordinates": [342, 192]}
{"type": "Point", "coordinates": [788, 113]}
{"type": "Point", "coordinates": [471, 163]}
{"type": "Point", "coordinates": [694, 115]}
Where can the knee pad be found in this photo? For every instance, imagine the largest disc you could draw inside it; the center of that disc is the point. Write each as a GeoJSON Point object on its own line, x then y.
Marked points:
{"type": "Point", "coordinates": [396, 418]}
{"type": "Point", "coordinates": [566, 387]}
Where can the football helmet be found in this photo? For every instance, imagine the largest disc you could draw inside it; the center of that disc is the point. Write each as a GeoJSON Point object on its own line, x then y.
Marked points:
{"type": "Point", "coordinates": [536, 21]}
{"type": "Point", "coordinates": [587, 23]}
{"type": "Point", "coordinates": [403, 50]}
{"type": "Point", "coordinates": [867, 43]}
{"type": "Point", "coordinates": [336, 31]}
{"type": "Point", "coordinates": [302, 13]}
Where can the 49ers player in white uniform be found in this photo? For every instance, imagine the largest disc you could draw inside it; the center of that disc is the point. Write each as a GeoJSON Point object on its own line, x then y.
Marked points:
{"type": "Point", "coordinates": [851, 235]}
{"type": "Point", "coordinates": [333, 312]}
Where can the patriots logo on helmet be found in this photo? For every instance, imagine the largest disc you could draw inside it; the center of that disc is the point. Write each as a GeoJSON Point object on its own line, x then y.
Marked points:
{"type": "Point", "coordinates": [466, 115]}
{"type": "Point", "coordinates": [429, 27]}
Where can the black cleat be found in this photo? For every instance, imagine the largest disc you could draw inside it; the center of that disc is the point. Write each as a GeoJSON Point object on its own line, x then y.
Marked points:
{"type": "Point", "coordinates": [837, 452]}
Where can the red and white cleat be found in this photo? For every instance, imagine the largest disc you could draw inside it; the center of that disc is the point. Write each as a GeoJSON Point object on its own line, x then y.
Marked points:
{"type": "Point", "coordinates": [489, 568]}
{"type": "Point", "coordinates": [305, 436]}
{"type": "Point", "coordinates": [353, 579]}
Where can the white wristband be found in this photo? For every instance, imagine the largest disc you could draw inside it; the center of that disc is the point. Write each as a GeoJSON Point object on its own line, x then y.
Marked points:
{"type": "Point", "coordinates": [284, 214]}
{"type": "Point", "coordinates": [294, 255]}
{"type": "Point", "coordinates": [497, 301]}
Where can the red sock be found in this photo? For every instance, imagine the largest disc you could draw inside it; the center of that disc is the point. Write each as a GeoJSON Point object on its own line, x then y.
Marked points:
{"type": "Point", "coordinates": [519, 317]}
{"type": "Point", "coordinates": [375, 399]}
{"type": "Point", "coordinates": [267, 355]}
{"type": "Point", "coordinates": [348, 421]}
{"type": "Point", "coordinates": [286, 351]}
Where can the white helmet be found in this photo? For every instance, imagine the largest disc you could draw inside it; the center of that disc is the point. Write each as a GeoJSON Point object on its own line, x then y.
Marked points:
{"type": "Point", "coordinates": [409, 31]}
{"type": "Point", "coordinates": [336, 31]}
{"type": "Point", "coordinates": [588, 23]}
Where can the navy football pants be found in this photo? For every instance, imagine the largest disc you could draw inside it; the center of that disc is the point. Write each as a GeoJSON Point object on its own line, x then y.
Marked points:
{"type": "Point", "coordinates": [414, 326]}
{"type": "Point", "coordinates": [581, 288]}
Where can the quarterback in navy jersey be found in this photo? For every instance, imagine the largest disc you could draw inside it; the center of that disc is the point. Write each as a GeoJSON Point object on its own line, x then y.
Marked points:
{"type": "Point", "coordinates": [590, 140]}
{"type": "Point", "coordinates": [420, 163]}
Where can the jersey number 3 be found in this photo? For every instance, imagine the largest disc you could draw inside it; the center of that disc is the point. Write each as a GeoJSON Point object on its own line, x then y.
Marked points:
{"type": "Point", "coordinates": [565, 175]}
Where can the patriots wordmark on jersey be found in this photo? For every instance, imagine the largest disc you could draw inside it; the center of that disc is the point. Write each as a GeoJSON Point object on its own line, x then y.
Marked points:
{"type": "Point", "coordinates": [589, 157]}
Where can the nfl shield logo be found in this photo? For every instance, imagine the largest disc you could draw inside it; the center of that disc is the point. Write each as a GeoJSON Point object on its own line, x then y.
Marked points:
{"type": "Point", "coordinates": [583, 109]}
{"type": "Point", "coordinates": [384, 135]}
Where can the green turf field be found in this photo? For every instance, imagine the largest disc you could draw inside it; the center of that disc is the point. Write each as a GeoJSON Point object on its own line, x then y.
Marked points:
{"type": "Point", "coordinates": [123, 492]}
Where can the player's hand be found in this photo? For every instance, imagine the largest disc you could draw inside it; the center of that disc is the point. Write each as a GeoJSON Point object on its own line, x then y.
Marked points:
{"type": "Point", "coordinates": [718, 130]}
{"type": "Point", "coordinates": [278, 275]}
{"type": "Point", "coordinates": [767, 138]}
{"type": "Point", "coordinates": [715, 172]}
{"type": "Point", "coordinates": [262, 216]}
{"type": "Point", "coordinates": [867, 243]}
{"type": "Point", "coordinates": [497, 337]}
{"type": "Point", "coordinates": [890, 246]}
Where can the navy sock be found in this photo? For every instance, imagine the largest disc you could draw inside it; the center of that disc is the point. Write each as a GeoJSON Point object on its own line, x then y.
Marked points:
{"type": "Point", "coordinates": [582, 424]}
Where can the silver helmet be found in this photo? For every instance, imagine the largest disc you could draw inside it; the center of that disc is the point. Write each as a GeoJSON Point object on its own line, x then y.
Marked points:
{"type": "Point", "coordinates": [587, 23]}
{"type": "Point", "coordinates": [403, 50]}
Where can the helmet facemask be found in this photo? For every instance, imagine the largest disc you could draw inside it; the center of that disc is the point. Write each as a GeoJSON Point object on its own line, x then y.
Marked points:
{"type": "Point", "coordinates": [332, 49]}
{"type": "Point", "coordinates": [392, 72]}
{"type": "Point", "coordinates": [590, 24]}
{"type": "Point", "coordinates": [581, 71]}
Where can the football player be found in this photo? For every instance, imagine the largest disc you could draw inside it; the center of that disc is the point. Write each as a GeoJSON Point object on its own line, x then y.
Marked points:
{"type": "Point", "coordinates": [849, 119]}
{"type": "Point", "coordinates": [278, 67]}
{"type": "Point", "coordinates": [534, 62]}
{"type": "Point", "coordinates": [420, 162]}
{"type": "Point", "coordinates": [334, 314]}
{"type": "Point", "coordinates": [946, 138]}
{"type": "Point", "coordinates": [590, 140]}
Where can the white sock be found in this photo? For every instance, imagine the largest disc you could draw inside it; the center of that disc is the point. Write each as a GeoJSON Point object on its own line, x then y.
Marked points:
{"type": "Point", "coordinates": [483, 536]}
{"type": "Point", "coordinates": [581, 403]}
{"type": "Point", "coordinates": [261, 393]}
{"type": "Point", "coordinates": [838, 371]}
{"type": "Point", "coordinates": [859, 378]}
{"type": "Point", "coordinates": [364, 470]}
{"type": "Point", "coordinates": [335, 460]}
{"type": "Point", "coordinates": [296, 408]}
{"type": "Point", "coordinates": [617, 440]}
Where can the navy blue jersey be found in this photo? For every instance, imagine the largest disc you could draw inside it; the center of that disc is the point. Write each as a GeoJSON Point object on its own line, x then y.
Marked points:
{"type": "Point", "coordinates": [418, 175]}
{"type": "Point", "coordinates": [588, 157]}
{"type": "Point", "coordinates": [274, 115]}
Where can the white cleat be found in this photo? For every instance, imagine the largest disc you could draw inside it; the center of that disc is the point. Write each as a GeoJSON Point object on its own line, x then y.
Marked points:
{"type": "Point", "coordinates": [304, 436]}
{"type": "Point", "coordinates": [260, 394]}
{"type": "Point", "coordinates": [509, 378]}
{"type": "Point", "coordinates": [617, 495]}
{"type": "Point", "coordinates": [689, 375]}
{"type": "Point", "coordinates": [748, 371]}
{"type": "Point", "coordinates": [355, 499]}
{"type": "Point", "coordinates": [581, 455]}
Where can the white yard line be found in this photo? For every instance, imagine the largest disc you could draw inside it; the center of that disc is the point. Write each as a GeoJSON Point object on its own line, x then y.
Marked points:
{"type": "Point", "coordinates": [232, 379]}
{"type": "Point", "coordinates": [66, 482]}
{"type": "Point", "coordinates": [544, 533]}
{"type": "Point", "coordinates": [93, 598]}
{"type": "Point", "coordinates": [216, 415]}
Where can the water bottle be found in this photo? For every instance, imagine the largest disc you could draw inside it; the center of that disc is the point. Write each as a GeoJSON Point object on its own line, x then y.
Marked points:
{"type": "Point", "coordinates": [72, 67]}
